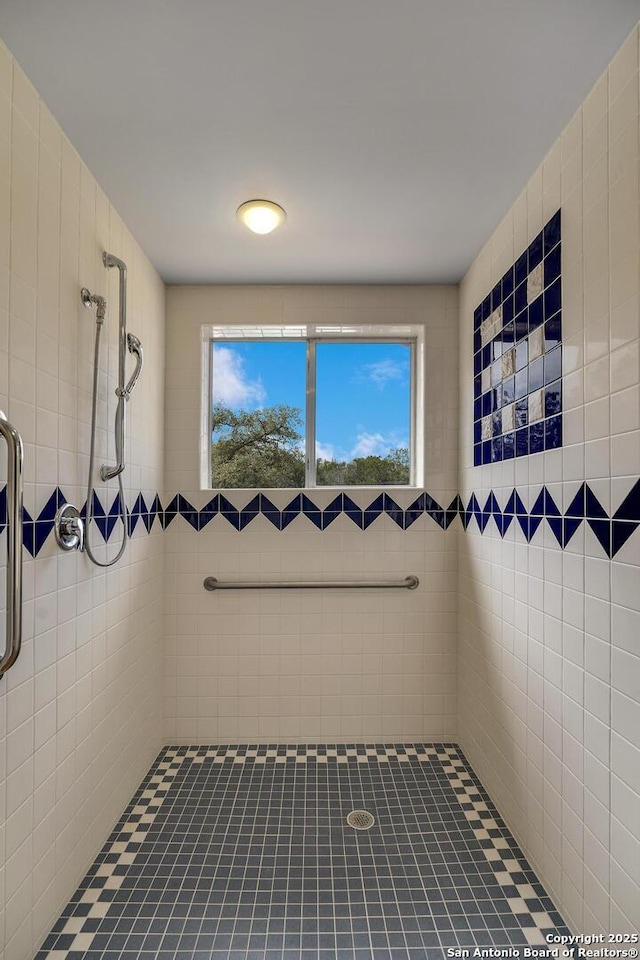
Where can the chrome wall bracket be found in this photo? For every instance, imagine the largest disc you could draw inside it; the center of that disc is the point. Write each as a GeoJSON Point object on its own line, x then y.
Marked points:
{"type": "Point", "coordinates": [90, 299]}
{"type": "Point", "coordinates": [69, 528]}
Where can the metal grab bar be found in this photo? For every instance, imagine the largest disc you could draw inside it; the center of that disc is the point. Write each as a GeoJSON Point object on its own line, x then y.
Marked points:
{"type": "Point", "coordinates": [212, 583]}
{"type": "Point", "coordinates": [13, 639]}
{"type": "Point", "coordinates": [107, 472]}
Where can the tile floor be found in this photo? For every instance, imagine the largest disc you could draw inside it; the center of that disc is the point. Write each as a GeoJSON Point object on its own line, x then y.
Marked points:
{"type": "Point", "coordinates": [244, 853]}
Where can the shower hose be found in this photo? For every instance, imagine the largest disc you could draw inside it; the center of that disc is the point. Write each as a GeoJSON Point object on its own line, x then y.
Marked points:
{"type": "Point", "coordinates": [92, 451]}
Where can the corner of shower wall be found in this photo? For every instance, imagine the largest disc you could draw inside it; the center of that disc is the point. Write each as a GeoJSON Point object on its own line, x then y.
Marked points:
{"type": "Point", "coordinates": [549, 662]}
{"type": "Point", "coordinates": [80, 710]}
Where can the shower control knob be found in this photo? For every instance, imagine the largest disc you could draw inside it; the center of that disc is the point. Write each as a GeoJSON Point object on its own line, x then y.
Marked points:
{"type": "Point", "coordinates": [69, 528]}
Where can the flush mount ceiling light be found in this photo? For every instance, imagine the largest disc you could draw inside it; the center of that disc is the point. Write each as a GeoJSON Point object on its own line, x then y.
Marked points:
{"type": "Point", "coordinates": [261, 216]}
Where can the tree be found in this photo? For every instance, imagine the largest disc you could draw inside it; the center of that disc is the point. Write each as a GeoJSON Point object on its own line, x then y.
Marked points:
{"type": "Point", "coordinates": [264, 448]}
{"type": "Point", "coordinates": [257, 448]}
{"type": "Point", "coordinates": [372, 470]}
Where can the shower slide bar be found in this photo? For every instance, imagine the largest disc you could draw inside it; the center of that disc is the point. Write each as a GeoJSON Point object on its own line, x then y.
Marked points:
{"type": "Point", "coordinates": [212, 583]}
{"type": "Point", "coordinates": [13, 638]}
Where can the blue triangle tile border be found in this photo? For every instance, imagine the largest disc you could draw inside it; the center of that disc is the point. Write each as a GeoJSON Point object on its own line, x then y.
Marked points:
{"type": "Point", "coordinates": [612, 532]}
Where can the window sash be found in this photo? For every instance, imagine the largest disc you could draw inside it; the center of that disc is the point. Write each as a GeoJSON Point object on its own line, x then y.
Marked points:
{"type": "Point", "coordinates": [310, 423]}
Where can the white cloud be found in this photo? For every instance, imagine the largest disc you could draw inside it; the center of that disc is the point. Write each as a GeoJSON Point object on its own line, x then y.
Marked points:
{"type": "Point", "coordinates": [325, 451]}
{"type": "Point", "coordinates": [230, 384]}
{"type": "Point", "coordinates": [366, 445]}
{"type": "Point", "coordinates": [376, 445]}
{"type": "Point", "coordinates": [383, 371]}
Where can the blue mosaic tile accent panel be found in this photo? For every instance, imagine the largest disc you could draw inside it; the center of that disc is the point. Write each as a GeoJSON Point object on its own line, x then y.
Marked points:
{"type": "Point", "coordinates": [517, 356]}
{"type": "Point", "coordinates": [612, 532]}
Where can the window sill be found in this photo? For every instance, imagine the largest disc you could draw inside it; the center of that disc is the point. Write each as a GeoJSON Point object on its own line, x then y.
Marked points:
{"type": "Point", "coordinates": [379, 488]}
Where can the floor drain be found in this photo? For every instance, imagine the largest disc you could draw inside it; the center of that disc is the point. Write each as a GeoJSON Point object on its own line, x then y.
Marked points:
{"type": "Point", "coordinates": [360, 820]}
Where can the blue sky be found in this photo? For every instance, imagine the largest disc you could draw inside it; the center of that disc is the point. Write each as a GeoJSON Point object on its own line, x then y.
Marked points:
{"type": "Point", "coordinates": [362, 389]}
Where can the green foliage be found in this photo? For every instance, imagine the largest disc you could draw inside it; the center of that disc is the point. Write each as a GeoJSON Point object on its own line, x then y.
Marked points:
{"type": "Point", "coordinates": [264, 448]}
{"type": "Point", "coordinates": [365, 471]}
{"type": "Point", "coordinates": [257, 448]}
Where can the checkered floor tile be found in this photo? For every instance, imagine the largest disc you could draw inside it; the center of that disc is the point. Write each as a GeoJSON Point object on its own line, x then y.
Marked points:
{"type": "Point", "coordinates": [243, 852]}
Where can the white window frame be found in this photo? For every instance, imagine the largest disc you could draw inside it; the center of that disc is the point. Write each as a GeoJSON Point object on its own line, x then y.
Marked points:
{"type": "Point", "coordinates": [407, 334]}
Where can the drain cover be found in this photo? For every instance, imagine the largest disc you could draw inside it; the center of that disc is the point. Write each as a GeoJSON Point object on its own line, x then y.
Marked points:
{"type": "Point", "coordinates": [360, 820]}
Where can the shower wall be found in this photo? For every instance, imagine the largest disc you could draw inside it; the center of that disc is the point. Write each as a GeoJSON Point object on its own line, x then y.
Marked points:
{"type": "Point", "coordinates": [549, 657]}
{"type": "Point", "coordinates": [316, 665]}
{"type": "Point", "coordinates": [80, 712]}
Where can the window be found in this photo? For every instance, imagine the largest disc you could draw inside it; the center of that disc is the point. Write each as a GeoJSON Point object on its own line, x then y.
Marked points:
{"type": "Point", "coordinates": [286, 409]}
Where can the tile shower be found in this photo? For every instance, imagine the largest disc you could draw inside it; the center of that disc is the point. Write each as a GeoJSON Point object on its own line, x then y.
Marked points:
{"type": "Point", "coordinates": [516, 662]}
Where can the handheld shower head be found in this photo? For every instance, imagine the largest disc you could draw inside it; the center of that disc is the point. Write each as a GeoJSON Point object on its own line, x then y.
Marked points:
{"type": "Point", "coordinates": [135, 347]}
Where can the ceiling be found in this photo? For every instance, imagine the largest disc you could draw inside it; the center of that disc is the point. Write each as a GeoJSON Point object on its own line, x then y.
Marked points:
{"type": "Point", "coordinates": [395, 133]}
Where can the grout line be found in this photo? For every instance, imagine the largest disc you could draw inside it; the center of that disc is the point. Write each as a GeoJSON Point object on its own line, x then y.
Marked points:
{"type": "Point", "coordinates": [523, 892]}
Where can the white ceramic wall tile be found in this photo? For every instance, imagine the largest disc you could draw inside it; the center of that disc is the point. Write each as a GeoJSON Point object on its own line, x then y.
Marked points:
{"type": "Point", "coordinates": [583, 848]}
{"type": "Point", "coordinates": [81, 709]}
